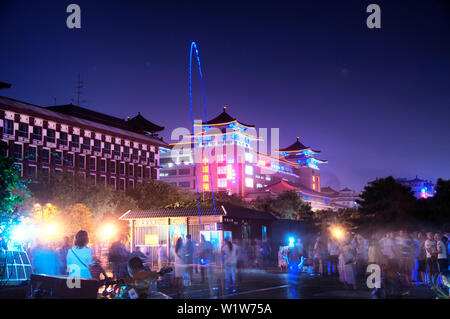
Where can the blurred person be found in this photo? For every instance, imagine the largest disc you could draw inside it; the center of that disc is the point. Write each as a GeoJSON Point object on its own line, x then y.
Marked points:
{"type": "Point", "coordinates": [404, 247]}
{"type": "Point", "coordinates": [118, 257]}
{"type": "Point", "coordinates": [230, 253]}
{"type": "Point", "coordinates": [138, 253]}
{"type": "Point", "coordinates": [162, 255]}
{"type": "Point", "coordinates": [205, 254]}
{"type": "Point", "coordinates": [442, 250]}
{"type": "Point", "coordinates": [421, 258]}
{"type": "Point", "coordinates": [45, 260]}
{"type": "Point", "coordinates": [361, 248]}
{"type": "Point", "coordinates": [348, 259]}
{"type": "Point", "coordinates": [80, 256]}
{"type": "Point", "coordinates": [140, 278]}
{"type": "Point", "coordinates": [318, 256]}
{"type": "Point", "coordinates": [96, 269]}
{"type": "Point", "coordinates": [189, 251]}
{"type": "Point", "coordinates": [62, 254]}
{"type": "Point", "coordinates": [431, 261]}
{"type": "Point", "coordinates": [333, 251]}
{"type": "Point", "coordinates": [180, 268]}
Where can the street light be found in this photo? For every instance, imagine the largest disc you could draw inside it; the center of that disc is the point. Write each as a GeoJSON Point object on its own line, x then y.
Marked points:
{"type": "Point", "coordinates": [50, 230]}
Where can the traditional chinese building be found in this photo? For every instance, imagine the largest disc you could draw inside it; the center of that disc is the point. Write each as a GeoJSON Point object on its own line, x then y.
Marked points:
{"type": "Point", "coordinates": [224, 152]}
{"type": "Point", "coordinates": [421, 188]}
{"type": "Point", "coordinates": [99, 147]}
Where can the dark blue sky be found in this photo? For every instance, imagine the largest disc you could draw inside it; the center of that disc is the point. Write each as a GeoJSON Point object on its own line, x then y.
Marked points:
{"type": "Point", "coordinates": [376, 102]}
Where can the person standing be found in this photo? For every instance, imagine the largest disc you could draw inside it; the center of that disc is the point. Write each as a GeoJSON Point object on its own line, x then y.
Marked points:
{"type": "Point", "coordinates": [421, 259]}
{"type": "Point", "coordinates": [118, 257]}
{"type": "Point", "coordinates": [333, 251]}
{"type": "Point", "coordinates": [189, 252]}
{"type": "Point", "coordinates": [79, 257]}
{"type": "Point", "coordinates": [45, 260]}
{"type": "Point", "coordinates": [205, 252]}
{"type": "Point", "coordinates": [180, 270]}
{"type": "Point", "coordinates": [162, 255]}
{"type": "Point", "coordinates": [442, 258]}
{"type": "Point", "coordinates": [62, 254]}
{"type": "Point", "coordinates": [229, 252]}
{"type": "Point", "coordinates": [431, 261]}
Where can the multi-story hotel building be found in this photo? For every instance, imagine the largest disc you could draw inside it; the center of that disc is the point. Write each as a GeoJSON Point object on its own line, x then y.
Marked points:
{"type": "Point", "coordinates": [101, 148]}
{"type": "Point", "coordinates": [225, 155]}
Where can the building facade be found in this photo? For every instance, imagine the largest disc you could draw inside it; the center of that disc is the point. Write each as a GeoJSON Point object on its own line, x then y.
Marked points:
{"type": "Point", "coordinates": [100, 148]}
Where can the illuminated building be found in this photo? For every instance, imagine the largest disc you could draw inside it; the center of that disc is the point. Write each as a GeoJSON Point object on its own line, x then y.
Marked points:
{"type": "Point", "coordinates": [420, 187]}
{"type": "Point", "coordinates": [224, 153]}
{"type": "Point", "coordinates": [345, 198]}
{"type": "Point", "coordinates": [100, 148]}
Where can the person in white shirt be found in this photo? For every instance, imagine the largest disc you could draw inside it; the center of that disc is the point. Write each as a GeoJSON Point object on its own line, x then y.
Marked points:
{"type": "Point", "coordinates": [79, 257]}
{"type": "Point", "coordinates": [432, 265]}
{"type": "Point", "coordinates": [442, 250]}
{"type": "Point", "coordinates": [162, 255]}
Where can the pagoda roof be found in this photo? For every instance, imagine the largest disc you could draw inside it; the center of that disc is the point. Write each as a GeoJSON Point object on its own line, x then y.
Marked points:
{"type": "Point", "coordinates": [297, 146]}
{"type": "Point", "coordinates": [279, 187]}
{"type": "Point", "coordinates": [327, 189]}
{"type": "Point", "coordinates": [137, 124]}
{"type": "Point", "coordinates": [140, 123]}
{"type": "Point", "coordinates": [224, 118]}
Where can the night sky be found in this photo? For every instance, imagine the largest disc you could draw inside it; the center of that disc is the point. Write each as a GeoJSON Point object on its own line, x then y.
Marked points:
{"type": "Point", "coordinates": [376, 102]}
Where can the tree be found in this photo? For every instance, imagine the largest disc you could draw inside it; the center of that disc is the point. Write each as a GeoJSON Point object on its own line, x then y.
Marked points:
{"type": "Point", "coordinates": [287, 205]}
{"type": "Point", "coordinates": [74, 218]}
{"type": "Point", "coordinates": [13, 191]}
{"type": "Point", "coordinates": [384, 202]}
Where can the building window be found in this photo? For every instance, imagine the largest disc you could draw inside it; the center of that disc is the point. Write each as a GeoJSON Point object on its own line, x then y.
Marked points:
{"type": "Point", "coordinates": [45, 155]}
{"type": "Point", "coordinates": [147, 172]}
{"type": "Point", "coordinates": [139, 171]}
{"type": "Point", "coordinates": [86, 143]}
{"type": "Point", "coordinates": [112, 182]}
{"type": "Point", "coordinates": [63, 138]}
{"type": "Point", "coordinates": [222, 170]}
{"type": "Point", "coordinates": [69, 159]}
{"type": "Point", "coordinates": [51, 136]}
{"type": "Point", "coordinates": [18, 151]}
{"type": "Point", "coordinates": [126, 152]}
{"type": "Point", "coordinates": [131, 184]}
{"type": "Point", "coordinates": [135, 155]}
{"type": "Point", "coordinates": [37, 133]}
{"type": "Point", "coordinates": [184, 184]}
{"type": "Point", "coordinates": [103, 180]}
{"type": "Point", "coordinates": [131, 170]}
{"type": "Point", "coordinates": [107, 148]}
{"type": "Point", "coordinates": [152, 157]}
{"type": "Point", "coordinates": [92, 163]}
{"type": "Point", "coordinates": [23, 130]}
{"type": "Point", "coordinates": [248, 157]}
{"type": "Point", "coordinates": [31, 171]}
{"type": "Point", "coordinates": [122, 184]}
{"type": "Point", "coordinates": [32, 153]}
{"type": "Point", "coordinates": [45, 172]}
{"type": "Point", "coordinates": [206, 178]}
{"type": "Point", "coordinates": [249, 182]}
{"type": "Point", "coordinates": [58, 158]}
{"type": "Point", "coordinates": [75, 141]}
{"type": "Point", "coordinates": [103, 165]}
{"type": "Point", "coordinates": [122, 168]}
{"type": "Point", "coordinates": [184, 171]}
{"type": "Point", "coordinates": [116, 150]}
{"type": "Point", "coordinates": [143, 156]}
{"type": "Point", "coordinates": [248, 170]}
{"type": "Point", "coordinates": [8, 127]}
{"type": "Point", "coordinates": [97, 146]}
{"type": "Point", "coordinates": [205, 169]}
{"type": "Point", "coordinates": [92, 178]}
{"type": "Point", "coordinates": [81, 161]}
{"type": "Point", "coordinates": [112, 167]}
{"type": "Point", "coordinates": [222, 182]}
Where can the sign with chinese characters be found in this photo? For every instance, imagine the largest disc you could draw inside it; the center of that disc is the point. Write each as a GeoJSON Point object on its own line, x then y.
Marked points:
{"type": "Point", "coordinates": [151, 240]}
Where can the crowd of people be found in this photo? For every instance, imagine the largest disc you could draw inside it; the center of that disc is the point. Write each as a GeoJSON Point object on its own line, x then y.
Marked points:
{"type": "Point", "coordinates": [405, 258]}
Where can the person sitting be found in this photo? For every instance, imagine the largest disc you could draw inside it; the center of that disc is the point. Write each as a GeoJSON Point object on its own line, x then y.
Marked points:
{"type": "Point", "coordinates": [140, 279]}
